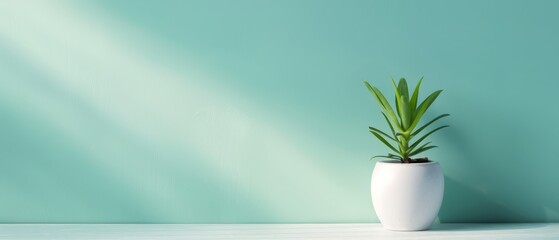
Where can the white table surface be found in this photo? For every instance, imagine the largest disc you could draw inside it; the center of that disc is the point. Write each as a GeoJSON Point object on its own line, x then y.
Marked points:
{"type": "Point", "coordinates": [274, 231]}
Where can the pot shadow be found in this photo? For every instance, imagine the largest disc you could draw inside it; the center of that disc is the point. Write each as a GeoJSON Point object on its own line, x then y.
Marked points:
{"type": "Point", "coordinates": [465, 208]}
{"type": "Point", "coordinates": [496, 183]}
{"type": "Point", "coordinates": [465, 204]}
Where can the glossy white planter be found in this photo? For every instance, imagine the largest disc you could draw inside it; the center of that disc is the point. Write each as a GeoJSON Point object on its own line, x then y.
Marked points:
{"type": "Point", "coordinates": [407, 197]}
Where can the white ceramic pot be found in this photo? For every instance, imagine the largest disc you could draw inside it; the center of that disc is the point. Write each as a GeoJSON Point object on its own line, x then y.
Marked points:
{"type": "Point", "coordinates": [407, 197]}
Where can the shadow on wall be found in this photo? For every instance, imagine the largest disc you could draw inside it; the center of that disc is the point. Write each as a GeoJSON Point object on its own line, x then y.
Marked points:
{"type": "Point", "coordinates": [463, 203]}
{"type": "Point", "coordinates": [497, 181]}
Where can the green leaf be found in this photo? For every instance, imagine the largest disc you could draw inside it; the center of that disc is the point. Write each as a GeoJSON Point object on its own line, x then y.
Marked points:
{"type": "Point", "coordinates": [389, 124]}
{"type": "Point", "coordinates": [384, 141]}
{"type": "Point", "coordinates": [429, 123]}
{"type": "Point", "coordinates": [422, 108]}
{"type": "Point", "coordinates": [404, 110]}
{"type": "Point", "coordinates": [403, 88]}
{"type": "Point", "coordinates": [414, 97]}
{"type": "Point", "coordinates": [426, 135]}
{"type": "Point", "coordinates": [384, 104]}
{"type": "Point", "coordinates": [402, 102]}
{"type": "Point", "coordinates": [397, 100]}
{"type": "Point", "coordinates": [383, 133]}
{"type": "Point", "coordinates": [420, 150]}
{"type": "Point", "coordinates": [386, 156]}
{"type": "Point", "coordinates": [401, 147]}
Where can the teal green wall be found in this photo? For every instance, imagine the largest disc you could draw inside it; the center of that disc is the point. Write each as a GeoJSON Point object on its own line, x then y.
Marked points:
{"type": "Point", "coordinates": [254, 111]}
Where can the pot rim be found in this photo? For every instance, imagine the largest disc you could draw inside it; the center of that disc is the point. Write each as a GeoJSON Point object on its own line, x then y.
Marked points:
{"type": "Point", "coordinates": [397, 162]}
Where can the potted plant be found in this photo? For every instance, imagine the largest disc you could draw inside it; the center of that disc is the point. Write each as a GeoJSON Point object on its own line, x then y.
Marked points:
{"type": "Point", "coordinates": [406, 190]}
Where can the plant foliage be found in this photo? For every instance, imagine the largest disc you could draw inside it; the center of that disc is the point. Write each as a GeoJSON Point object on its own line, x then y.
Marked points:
{"type": "Point", "coordinates": [405, 138]}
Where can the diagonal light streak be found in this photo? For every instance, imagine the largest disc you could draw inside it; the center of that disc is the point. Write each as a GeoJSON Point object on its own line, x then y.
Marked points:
{"type": "Point", "coordinates": [240, 142]}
